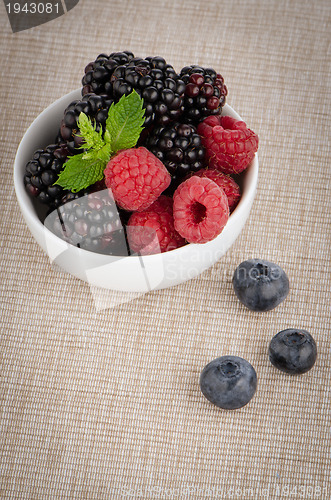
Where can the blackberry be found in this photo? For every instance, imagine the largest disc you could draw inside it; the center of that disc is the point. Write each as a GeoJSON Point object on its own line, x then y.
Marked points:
{"type": "Point", "coordinates": [42, 171]}
{"type": "Point", "coordinates": [89, 220]}
{"type": "Point", "coordinates": [156, 82]}
{"type": "Point", "coordinates": [205, 92]}
{"type": "Point", "coordinates": [152, 78]}
{"type": "Point", "coordinates": [70, 196]}
{"type": "Point", "coordinates": [178, 146]}
{"type": "Point", "coordinates": [94, 106]}
{"type": "Point", "coordinates": [98, 73]}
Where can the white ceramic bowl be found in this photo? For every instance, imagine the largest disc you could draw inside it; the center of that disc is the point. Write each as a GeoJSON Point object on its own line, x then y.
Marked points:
{"type": "Point", "coordinates": [133, 273]}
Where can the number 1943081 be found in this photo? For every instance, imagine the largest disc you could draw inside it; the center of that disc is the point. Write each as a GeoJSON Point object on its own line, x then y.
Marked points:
{"type": "Point", "coordinates": [33, 8]}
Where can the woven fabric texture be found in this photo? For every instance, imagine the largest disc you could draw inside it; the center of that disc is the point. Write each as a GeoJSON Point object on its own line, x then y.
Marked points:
{"type": "Point", "coordinates": [105, 404]}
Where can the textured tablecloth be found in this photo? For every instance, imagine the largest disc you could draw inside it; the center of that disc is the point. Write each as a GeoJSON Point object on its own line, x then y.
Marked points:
{"type": "Point", "coordinates": [105, 404]}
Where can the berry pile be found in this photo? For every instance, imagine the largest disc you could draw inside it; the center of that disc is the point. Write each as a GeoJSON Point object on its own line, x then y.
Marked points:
{"type": "Point", "coordinates": [157, 140]}
{"type": "Point", "coordinates": [146, 163]}
{"type": "Point", "coordinates": [230, 382]}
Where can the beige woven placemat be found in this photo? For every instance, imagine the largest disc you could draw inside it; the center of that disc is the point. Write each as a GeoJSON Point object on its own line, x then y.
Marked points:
{"type": "Point", "coordinates": [106, 404]}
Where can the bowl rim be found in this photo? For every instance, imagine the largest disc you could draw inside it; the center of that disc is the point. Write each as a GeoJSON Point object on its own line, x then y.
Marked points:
{"type": "Point", "coordinates": [27, 208]}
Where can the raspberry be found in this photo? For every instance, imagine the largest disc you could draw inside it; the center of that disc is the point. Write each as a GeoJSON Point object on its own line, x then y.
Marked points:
{"type": "Point", "coordinates": [201, 209]}
{"type": "Point", "coordinates": [162, 204]}
{"type": "Point", "coordinates": [136, 178]}
{"type": "Point", "coordinates": [230, 145]}
{"type": "Point", "coordinates": [229, 185]}
{"type": "Point", "coordinates": [151, 232]}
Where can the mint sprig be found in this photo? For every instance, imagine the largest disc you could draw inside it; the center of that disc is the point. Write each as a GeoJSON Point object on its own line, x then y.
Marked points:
{"type": "Point", "coordinates": [92, 139]}
{"type": "Point", "coordinates": [125, 122]}
{"type": "Point", "coordinates": [123, 128]}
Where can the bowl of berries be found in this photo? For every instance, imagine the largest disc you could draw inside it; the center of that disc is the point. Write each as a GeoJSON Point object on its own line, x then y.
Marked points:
{"type": "Point", "coordinates": [141, 179]}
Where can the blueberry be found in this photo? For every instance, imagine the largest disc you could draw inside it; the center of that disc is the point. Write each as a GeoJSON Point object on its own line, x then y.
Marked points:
{"type": "Point", "coordinates": [228, 382]}
{"type": "Point", "coordinates": [293, 351]}
{"type": "Point", "coordinates": [260, 285]}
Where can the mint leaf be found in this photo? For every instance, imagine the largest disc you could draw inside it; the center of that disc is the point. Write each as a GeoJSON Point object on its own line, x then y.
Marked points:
{"type": "Point", "coordinates": [123, 128]}
{"type": "Point", "coordinates": [79, 173]}
{"type": "Point", "coordinates": [92, 138]}
{"type": "Point", "coordinates": [102, 154]}
{"type": "Point", "coordinates": [125, 122]}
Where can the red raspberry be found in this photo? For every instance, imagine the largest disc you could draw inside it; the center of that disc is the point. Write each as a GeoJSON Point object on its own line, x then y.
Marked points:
{"type": "Point", "coordinates": [162, 204]}
{"type": "Point", "coordinates": [201, 209]}
{"type": "Point", "coordinates": [229, 185]}
{"type": "Point", "coordinates": [136, 178]}
{"type": "Point", "coordinates": [151, 232]}
{"type": "Point", "coordinates": [230, 145]}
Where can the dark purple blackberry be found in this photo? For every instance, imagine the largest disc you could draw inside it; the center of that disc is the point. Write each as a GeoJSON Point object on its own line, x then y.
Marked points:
{"type": "Point", "coordinates": [70, 196]}
{"type": "Point", "coordinates": [156, 82]}
{"type": "Point", "coordinates": [94, 106]}
{"type": "Point", "coordinates": [153, 79]}
{"type": "Point", "coordinates": [179, 148]}
{"type": "Point", "coordinates": [42, 171]}
{"type": "Point", "coordinates": [204, 94]}
{"type": "Point", "coordinates": [89, 221]}
{"type": "Point", "coordinates": [98, 73]}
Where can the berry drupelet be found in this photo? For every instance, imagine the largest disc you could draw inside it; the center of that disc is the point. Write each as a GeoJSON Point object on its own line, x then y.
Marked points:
{"type": "Point", "coordinates": [205, 92]}
{"type": "Point", "coordinates": [42, 171]}
{"type": "Point", "coordinates": [95, 107]}
{"type": "Point", "coordinates": [179, 147]}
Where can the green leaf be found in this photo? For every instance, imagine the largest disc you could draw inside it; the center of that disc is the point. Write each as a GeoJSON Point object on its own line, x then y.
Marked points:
{"type": "Point", "coordinates": [125, 122]}
{"type": "Point", "coordinates": [102, 154]}
{"type": "Point", "coordinates": [79, 173]}
{"type": "Point", "coordinates": [123, 128]}
{"type": "Point", "coordinates": [92, 138]}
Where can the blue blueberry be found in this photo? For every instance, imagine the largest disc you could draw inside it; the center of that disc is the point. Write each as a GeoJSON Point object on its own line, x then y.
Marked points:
{"type": "Point", "coordinates": [228, 382]}
{"type": "Point", "coordinates": [293, 351]}
{"type": "Point", "coordinates": [260, 285]}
